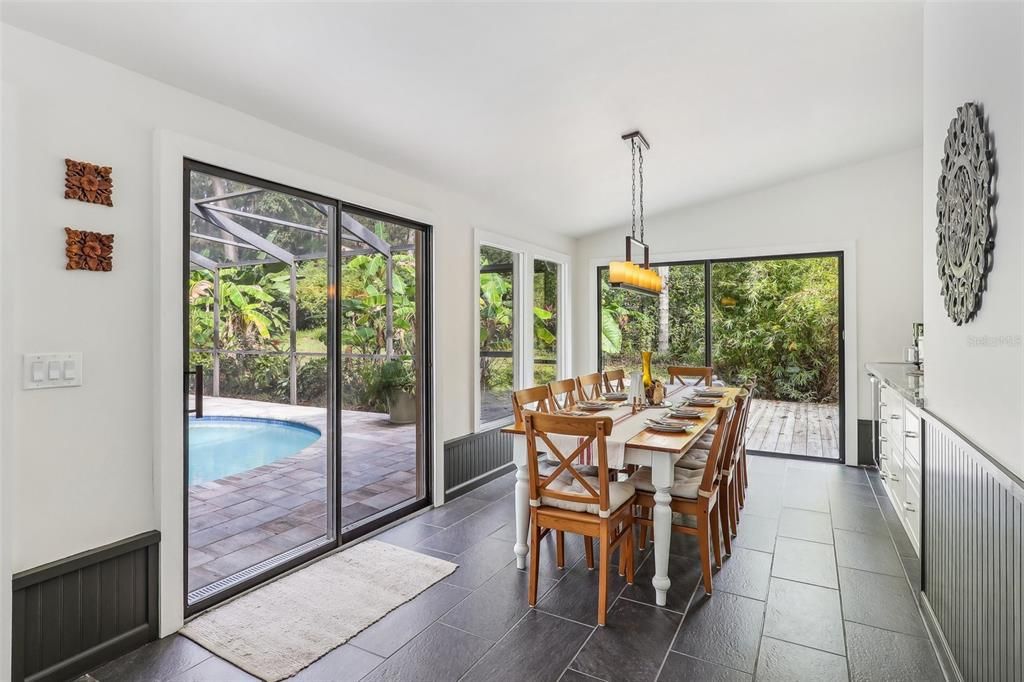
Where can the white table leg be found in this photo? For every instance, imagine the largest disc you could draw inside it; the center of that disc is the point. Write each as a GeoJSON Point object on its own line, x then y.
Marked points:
{"type": "Point", "coordinates": [662, 475]}
{"type": "Point", "coordinates": [522, 501]}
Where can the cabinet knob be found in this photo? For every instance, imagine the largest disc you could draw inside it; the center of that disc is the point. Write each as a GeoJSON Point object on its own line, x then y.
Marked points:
{"type": "Point", "coordinates": [909, 507]}
{"type": "Point", "coordinates": [883, 457]}
{"type": "Point", "coordinates": [883, 404]}
{"type": "Point", "coordinates": [894, 416]}
{"type": "Point", "coordinates": [894, 479]}
{"type": "Point", "coordinates": [910, 434]}
{"type": "Point", "coordinates": [884, 439]}
{"type": "Point", "coordinates": [884, 476]}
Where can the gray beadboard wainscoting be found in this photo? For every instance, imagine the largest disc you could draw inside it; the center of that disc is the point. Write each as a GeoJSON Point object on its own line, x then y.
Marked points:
{"type": "Point", "coordinates": [474, 459]}
{"type": "Point", "coordinates": [73, 614]}
{"type": "Point", "coordinates": [973, 579]}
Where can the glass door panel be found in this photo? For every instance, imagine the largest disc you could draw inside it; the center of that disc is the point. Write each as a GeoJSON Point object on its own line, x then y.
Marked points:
{"type": "Point", "coordinates": [498, 351]}
{"type": "Point", "coordinates": [383, 382]}
{"type": "Point", "coordinates": [778, 320]}
{"type": "Point", "coordinates": [545, 321]}
{"type": "Point", "coordinates": [257, 315]}
{"type": "Point", "coordinates": [670, 325]}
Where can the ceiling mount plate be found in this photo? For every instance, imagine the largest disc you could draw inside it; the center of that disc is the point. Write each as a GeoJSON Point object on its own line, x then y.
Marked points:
{"type": "Point", "coordinates": [638, 135]}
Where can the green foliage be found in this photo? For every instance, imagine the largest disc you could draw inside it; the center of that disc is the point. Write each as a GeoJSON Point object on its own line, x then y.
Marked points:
{"type": "Point", "coordinates": [773, 319]}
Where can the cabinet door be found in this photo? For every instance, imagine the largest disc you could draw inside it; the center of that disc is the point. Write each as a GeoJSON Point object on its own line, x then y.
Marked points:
{"type": "Point", "coordinates": [911, 511]}
{"type": "Point", "coordinates": [912, 439]}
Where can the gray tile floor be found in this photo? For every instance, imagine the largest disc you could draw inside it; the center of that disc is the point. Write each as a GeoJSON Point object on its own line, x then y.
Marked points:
{"type": "Point", "coordinates": [817, 588]}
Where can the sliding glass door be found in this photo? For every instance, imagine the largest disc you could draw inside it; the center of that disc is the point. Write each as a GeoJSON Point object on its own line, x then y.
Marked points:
{"type": "Point", "coordinates": [307, 330]}
{"type": "Point", "coordinates": [777, 320]}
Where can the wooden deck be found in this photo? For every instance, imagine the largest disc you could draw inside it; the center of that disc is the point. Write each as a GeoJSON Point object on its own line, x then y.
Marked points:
{"type": "Point", "coordinates": [810, 429]}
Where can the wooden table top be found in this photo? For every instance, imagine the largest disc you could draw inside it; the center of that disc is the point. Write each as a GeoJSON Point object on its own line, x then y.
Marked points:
{"type": "Point", "coordinates": [656, 440]}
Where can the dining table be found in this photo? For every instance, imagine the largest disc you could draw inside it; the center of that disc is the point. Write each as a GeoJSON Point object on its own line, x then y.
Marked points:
{"type": "Point", "coordinates": [639, 445]}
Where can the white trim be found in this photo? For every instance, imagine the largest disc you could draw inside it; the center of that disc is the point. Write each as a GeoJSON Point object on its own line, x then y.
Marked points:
{"type": "Point", "coordinates": [850, 367]}
{"type": "Point", "coordinates": [522, 352]}
{"type": "Point", "coordinates": [169, 151]}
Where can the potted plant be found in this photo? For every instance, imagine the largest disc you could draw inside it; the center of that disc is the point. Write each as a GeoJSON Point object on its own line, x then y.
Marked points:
{"type": "Point", "coordinates": [395, 384]}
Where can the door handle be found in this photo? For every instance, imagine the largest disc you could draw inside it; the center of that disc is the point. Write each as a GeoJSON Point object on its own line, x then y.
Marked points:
{"type": "Point", "coordinates": [198, 372]}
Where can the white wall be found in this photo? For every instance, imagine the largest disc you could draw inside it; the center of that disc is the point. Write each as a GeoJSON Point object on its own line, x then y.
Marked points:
{"type": "Point", "coordinates": [872, 204]}
{"type": "Point", "coordinates": [975, 373]}
{"type": "Point", "coordinates": [80, 469]}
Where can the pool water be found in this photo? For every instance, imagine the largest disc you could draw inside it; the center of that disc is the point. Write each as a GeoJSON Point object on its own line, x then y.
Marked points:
{"type": "Point", "coordinates": [222, 446]}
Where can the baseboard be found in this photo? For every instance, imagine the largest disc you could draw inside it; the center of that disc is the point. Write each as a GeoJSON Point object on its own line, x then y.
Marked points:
{"type": "Point", "coordinates": [479, 481]}
{"type": "Point", "coordinates": [75, 614]}
{"type": "Point", "coordinates": [945, 655]}
{"type": "Point", "coordinates": [472, 457]}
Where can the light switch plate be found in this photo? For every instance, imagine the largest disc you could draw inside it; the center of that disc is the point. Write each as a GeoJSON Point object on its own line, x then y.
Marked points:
{"type": "Point", "coordinates": [67, 366]}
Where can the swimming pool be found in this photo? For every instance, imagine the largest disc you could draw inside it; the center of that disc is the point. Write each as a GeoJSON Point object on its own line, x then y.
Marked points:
{"type": "Point", "coordinates": [221, 446]}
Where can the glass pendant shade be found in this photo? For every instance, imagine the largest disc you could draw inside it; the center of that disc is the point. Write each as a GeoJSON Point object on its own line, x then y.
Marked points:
{"type": "Point", "coordinates": [618, 272]}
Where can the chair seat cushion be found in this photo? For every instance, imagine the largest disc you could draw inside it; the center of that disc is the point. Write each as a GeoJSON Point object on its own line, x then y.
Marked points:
{"type": "Point", "coordinates": [585, 470]}
{"type": "Point", "coordinates": [618, 495]}
{"type": "Point", "coordinates": [685, 486]}
{"type": "Point", "coordinates": [693, 460]}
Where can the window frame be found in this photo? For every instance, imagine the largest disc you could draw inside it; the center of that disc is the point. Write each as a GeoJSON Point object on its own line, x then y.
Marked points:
{"type": "Point", "coordinates": [524, 256]}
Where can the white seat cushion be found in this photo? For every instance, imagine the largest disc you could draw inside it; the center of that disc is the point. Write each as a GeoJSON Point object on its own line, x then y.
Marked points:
{"type": "Point", "coordinates": [585, 470]}
{"type": "Point", "coordinates": [618, 495]}
{"type": "Point", "coordinates": [685, 486]}
{"type": "Point", "coordinates": [694, 460]}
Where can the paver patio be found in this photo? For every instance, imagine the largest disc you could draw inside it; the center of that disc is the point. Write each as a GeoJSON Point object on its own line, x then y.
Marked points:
{"type": "Point", "coordinates": [240, 520]}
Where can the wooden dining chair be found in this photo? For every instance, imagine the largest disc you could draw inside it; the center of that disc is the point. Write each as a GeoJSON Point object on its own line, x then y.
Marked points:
{"type": "Point", "coordinates": [563, 394]}
{"type": "Point", "coordinates": [695, 493]}
{"type": "Point", "coordinates": [742, 466]}
{"type": "Point", "coordinates": [589, 386]}
{"type": "Point", "coordinates": [682, 373]}
{"type": "Point", "coordinates": [594, 507]}
{"type": "Point", "coordinates": [697, 457]}
{"type": "Point", "coordinates": [537, 398]}
{"type": "Point", "coordinates": [615, 381]}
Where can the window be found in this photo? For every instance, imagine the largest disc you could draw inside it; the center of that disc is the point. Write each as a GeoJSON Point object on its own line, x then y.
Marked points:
{"type": "Point", "coordinates": [499, 351]}
{"type": "Point", "coordinates": [545, 321]}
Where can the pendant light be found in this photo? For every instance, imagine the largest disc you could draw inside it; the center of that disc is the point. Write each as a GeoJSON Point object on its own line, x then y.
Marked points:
{"type": "Point", "coordinates": [631, 274]}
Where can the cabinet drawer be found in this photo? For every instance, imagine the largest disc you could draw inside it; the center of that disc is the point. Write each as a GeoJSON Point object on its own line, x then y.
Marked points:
{"type": "Point", "coordinates": [893, 415]}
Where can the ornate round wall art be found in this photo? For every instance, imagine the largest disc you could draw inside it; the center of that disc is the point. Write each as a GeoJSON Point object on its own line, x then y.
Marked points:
{"type": "Point", "coordinates": [966, 230]}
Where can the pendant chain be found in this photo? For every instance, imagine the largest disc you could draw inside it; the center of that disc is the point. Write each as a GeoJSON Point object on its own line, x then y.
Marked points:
{"type": "Point", "coordinates": [642, 194]}
{"type": "Point", "coordinates": [632, 144]}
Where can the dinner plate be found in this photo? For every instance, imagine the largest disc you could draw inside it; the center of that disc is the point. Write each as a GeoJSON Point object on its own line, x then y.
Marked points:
{"type": "Point", "coordinates": [667, 428]}
{"type": "Point", "coordinates": [593, 408]}
{"type": "Point", "coordinates": [703, 402]}
{"type": "Point", "coordinates": [616, 396]}
{"type": "Point", "coordinates": [687, 413]}
{"type": "Point", "coordinates": [710, 393]}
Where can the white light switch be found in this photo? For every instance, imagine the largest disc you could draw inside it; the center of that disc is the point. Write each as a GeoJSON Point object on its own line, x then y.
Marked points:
{"type": "Point", "coordinates": [52, 370]}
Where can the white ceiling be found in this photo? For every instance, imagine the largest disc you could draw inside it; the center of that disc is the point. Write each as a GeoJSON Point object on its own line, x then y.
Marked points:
{"type": "Point", "coordinates": [522, 105]}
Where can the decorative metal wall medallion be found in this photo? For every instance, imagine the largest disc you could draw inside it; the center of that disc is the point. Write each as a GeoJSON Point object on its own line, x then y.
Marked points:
{"type": "Point", "coordinates": [966, 230]}
{"type": "Point", "coordinates": [88, 182]}
{"type": "Point", "coordinates": [89, 250]}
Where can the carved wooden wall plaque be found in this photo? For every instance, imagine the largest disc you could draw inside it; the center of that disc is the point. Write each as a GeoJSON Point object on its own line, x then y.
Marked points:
{"type": "Point", "coordinates": [88, 182]}
{"type": "Point", "coordinates": [89, 250]}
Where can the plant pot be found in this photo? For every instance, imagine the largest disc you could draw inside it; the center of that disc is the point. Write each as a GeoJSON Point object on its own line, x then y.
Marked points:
{"type": "Point", "coordinates": [402, 406]}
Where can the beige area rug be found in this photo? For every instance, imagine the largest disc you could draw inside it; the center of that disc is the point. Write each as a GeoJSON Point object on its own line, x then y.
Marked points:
{"type": "Point", "coordinates": [279, 629]}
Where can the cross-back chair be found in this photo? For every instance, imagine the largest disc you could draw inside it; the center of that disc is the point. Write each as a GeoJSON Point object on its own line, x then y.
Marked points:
{"type": "Point", "coordinates": [565, 500]}
{"type": "Point", "coordinates": [537, 398]}
{"type": "Point", "coordinates": [682, 373]}
{"type": "Point", "coordinates": [695, 493]}
{"type": "Point", "coordinates": [589, 386]}
{"type": "Point", "coordinates": [563, 394]}
{"type": "Point", "coordinates": [615, 380]}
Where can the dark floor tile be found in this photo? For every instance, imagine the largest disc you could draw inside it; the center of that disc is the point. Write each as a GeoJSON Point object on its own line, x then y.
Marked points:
{"type": "Point", "coordinates": [575, 595]}
{"type": "Point", "coordinates": [459, 537]}
{"type": "Point", "coordinates": [434, 553]}
{"type": "Point", "coordinates": [806, 562]}
{"type": "Point", "coordinates": [860, 519]}
{"type": "Point", "coordinates": [867, 553]}
{"type": "Point", "coordinates": [756, 532]}
{"type": "Point", "coordinates": [881, 655]}
{"type": "Point", "coordinates": [683, 570]}
{"type": "Point", "coordinates": [497, 605]}
{"type": "Point", "coordinates": [745, 573]}
{"type": "Point", "coordinates": [437, 653]}
{"type": "Point", "coordinates": [845, 493]}
{"type": "Point", "coordinates": [880, 600]}
{"type": "Point", "coordinates": [157, 660]}
{"type": "Point", "coordinates": [478, 563]}
{"type": "Point", "coordinates": [507, 533]}
{"type": "Point", "coordinates": [805, 614]}
{"type": "Point", "coordinates": [551, 642]}
{"type": "Point", "coordinates": [571, 675]}
{"type": "Point", "coordinates": [453, 512]}
{"type": "Point", "coordinates": [766, 502]}
{"type": "Point", "coordinates": [343, 664]}
{"type": "Point", "coordinates": [495, 489]}
{"type": "Point", "coordinates": [784, 662]}
{"type": "Point", "coordinates": [723, 629]}
{"type": "Point", "coordinates": [392, 631]}
{"type": "Point", "coordinates": [806, 525]}
{"type": "Point", "coordinates": [809, 497]}
{"type": "Point", "coordinates": [409, 533]}
{"type": "Point", "coordinates": [213, 668]}
{"type": "Point", "coordinates": [632, 645]}
{"type": "Point", "coordinates": [682, 668]}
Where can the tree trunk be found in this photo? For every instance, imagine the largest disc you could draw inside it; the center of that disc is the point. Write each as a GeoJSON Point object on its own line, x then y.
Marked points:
{"type": "Point", "coordinates": [663, 321]}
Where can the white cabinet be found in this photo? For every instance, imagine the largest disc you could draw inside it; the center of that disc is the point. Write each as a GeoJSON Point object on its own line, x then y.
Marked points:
{"type": "Point", "coordinates": [899, 448]}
